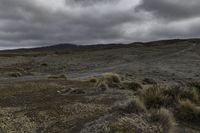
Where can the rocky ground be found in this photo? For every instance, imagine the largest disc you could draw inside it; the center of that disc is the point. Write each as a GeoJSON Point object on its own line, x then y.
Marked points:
{"type": "Point", "coordinates": [62, 90]}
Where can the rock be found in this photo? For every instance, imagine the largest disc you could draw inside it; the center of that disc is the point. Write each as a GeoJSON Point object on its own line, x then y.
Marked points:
{"type": "Point", "coordinates": [64, 90]}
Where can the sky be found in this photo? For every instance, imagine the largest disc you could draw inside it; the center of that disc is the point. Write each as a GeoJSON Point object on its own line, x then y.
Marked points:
{"type": "Point", "coordinates": [34, 23]}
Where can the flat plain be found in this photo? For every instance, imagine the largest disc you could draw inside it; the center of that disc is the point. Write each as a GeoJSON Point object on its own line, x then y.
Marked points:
{"type": "Point", "coordinates": [134, 88]}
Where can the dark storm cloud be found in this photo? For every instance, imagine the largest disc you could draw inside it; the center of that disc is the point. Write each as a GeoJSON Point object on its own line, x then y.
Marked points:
{"type": "Point", "coordinates": [26, 23]}
{"type": "Point", "coordinates": [172, 9]}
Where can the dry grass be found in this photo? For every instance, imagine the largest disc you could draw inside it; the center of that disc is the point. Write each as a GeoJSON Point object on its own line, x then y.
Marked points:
{"type": "Point", "coordinates": [123, 125]}
{"type": "Point", "coordinates": [188, 111]}
{"type": "Point", "coordinates": [189, 93]}
{"type": "Point", "coordinates": [93, 80]}
{"type": "Point", "coordinates": [131, 85]}
{"type": "Point", "coordinates": [166, 119]}
{"type": "Point", "coordinates": [112, 77]}
{"type": "Point", "coordinates": [130, 106]}
{"type": "Point", "coordinates": [112, 80]}
{"type": "Point", "coordinates": [153, 97]}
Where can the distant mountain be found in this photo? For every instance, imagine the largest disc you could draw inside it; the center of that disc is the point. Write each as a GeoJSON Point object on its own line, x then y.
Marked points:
{"type": "Point", "coordinates": [75, 47]}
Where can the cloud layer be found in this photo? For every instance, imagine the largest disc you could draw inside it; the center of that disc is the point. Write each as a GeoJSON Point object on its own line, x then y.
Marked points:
{"type": "Point", "coordinates": [26, 23]}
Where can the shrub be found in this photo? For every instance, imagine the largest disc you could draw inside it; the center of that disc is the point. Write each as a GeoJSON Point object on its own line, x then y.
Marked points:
{"type": "Point", "coordinates": [130, 106]}
{"type": "Point", "coordinates": [188, 111]}
{"type": "Point", "coordinates": [165, 118]}
{"type": "Point", "coordinates": [153, 97]}
{"type": "Point", "coordinates": [131, 85]}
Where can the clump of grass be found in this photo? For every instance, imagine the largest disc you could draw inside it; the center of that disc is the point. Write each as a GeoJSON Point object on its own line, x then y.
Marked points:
{"type": "Point", "coordinates": [131, 85]}
{"type": "Point", "coordinates": [189, 93]}
{"type": "Point", "coordinates": [195, 84]}
{"type": "Point", "coordinates": [123, 125]}
{"type": "Point", "coordinates": [15, 74]}
{"type": "Point", "coordinates": [166, 119]}
{"type": "Point", "coordinates": [112, 77]}
{"type": "Point", "coordinates": [112, 80]}
{"type": "Point", "coordinates": [101, 86]}
{"type": "Point", "coordinates": [62, 76]}
{"type": "Point", "coordinates": [93, 80]}
{"type": "Point", "coordinates": [188, 111]}
{"type": "Point", "coordinates": [153, 97]}
{"type": "Point", "coordinates": [131, 106]}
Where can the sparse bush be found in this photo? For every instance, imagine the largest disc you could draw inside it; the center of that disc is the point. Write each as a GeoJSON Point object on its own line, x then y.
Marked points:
{"type": "Point", "coordinates": [131, 85]}
{"type": "Point", "coordinates": [188, 111]}
{"type": "Point", "coordinates": [15, 74]}
{"type": "Point", "coordinates": [165, 118]}
{"type": "Point", "coordinates": [130, 106]}
{"type": "Point", "coordinates": [57, 77]}
{"type": "Point", "coordinates": [153, 97]}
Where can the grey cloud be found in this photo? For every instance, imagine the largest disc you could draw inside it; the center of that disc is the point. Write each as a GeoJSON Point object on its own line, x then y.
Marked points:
{"type": "Point", "coordinates": [172, 9]}
{"type": "Point", "coordinates": [26, 23]}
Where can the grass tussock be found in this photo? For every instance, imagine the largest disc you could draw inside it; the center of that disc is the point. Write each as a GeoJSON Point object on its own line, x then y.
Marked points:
{"type": "Point", "coordinates": [131, 85]}
{"type": "Point", "coordinates": [123, 125]}
{"type": "Point", "coordinates": [190, 94]}
{"type": "Point", "coordinates": [112, 77]}
{"type": "Point", "coordinates": [166, 119]}
{"type": "Point", "coordinates": [188, 111]}
{"type": "Point", "coordinates": [93, 80]}
{"type": "Point", "coordinates": [111, 80]}
{"type": "Point", "coordinates": [130, 106]}
{"type": "Point", "coordinates": [153, 97]}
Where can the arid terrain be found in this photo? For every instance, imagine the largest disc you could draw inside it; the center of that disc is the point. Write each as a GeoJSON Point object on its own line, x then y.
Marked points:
{"type": "Point", "coordinates": [132, 88]}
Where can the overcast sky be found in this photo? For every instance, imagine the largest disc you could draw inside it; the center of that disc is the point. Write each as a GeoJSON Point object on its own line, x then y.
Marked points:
{"type": "Point", "coordinates": [30, 23]}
